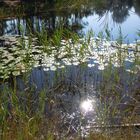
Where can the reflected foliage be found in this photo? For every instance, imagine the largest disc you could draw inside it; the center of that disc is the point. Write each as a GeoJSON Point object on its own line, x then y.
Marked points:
{"type": "Point", "coordinates": [54, 13]}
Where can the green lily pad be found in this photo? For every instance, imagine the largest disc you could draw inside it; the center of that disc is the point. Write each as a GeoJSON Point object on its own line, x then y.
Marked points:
{"type": "Point", "coordinates": [16, 73]}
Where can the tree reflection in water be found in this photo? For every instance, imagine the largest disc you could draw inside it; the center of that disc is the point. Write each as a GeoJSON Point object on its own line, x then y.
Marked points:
{"type": "Point", "coordinates": [32, 14]}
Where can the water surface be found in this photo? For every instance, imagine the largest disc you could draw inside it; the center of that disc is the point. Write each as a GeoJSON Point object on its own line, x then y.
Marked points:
{"type": "Point", "coordinates": [83, 91]}
{"type": "Point", "coordinates": [81, 17]}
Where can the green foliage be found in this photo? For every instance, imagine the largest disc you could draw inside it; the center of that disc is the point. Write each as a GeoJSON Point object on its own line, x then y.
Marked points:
{"type": "Point", "coordinates": [138, 33]}
{"type": "Point", "coordinates": [22, 113]}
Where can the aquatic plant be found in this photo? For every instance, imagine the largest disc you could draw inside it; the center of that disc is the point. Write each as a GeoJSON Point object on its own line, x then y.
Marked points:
{"type": "Point", "coordinates": [72, 68]}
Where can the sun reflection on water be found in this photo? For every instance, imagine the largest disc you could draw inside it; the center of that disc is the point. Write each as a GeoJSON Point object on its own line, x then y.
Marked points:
{"type": "Point", "coordinates": [87, 105]}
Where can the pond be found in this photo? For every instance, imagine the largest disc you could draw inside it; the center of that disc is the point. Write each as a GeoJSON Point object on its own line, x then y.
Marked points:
{"type": "Point", "coordinates": [57, 86]}
{"type": "Point", "coordinates": [79, 16]}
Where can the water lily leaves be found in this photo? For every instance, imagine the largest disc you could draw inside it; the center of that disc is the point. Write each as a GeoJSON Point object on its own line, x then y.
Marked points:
{"type": "Point", "coordinates": [21, 53]}
{"type": "Point", "coordinates": [16, 73]}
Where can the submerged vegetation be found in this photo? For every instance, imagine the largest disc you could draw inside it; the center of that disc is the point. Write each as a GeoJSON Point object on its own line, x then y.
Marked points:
{"type": "Point", "coordinates": [56, 83]}
{"type": "Point", "coordinates": [45, 79]}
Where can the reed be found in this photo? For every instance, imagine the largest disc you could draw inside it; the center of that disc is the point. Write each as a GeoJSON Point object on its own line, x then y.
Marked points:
{"type": "Point", "coordinates": [28, 112]}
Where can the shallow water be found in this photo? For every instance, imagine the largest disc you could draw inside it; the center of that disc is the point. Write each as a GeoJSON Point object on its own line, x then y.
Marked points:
{"type": "Point", "coordinates": [98, 86]}
{"type": "Point", "coordinates": [80, 100]}
{"type": "Point", "coordinates": [96, 89]}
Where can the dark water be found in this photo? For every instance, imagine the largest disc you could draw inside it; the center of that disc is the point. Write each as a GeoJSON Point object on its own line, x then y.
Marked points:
{"type": "Point", "coordinates": [112, 99]}
{"type": "Point", "coordinates": [82, 97]}
{"type": "Point", "coordinates": [79, 17]}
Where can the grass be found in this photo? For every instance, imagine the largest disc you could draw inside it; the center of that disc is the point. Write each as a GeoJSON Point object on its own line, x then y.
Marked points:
{"type": "Point", "coordinates": [29, 113]}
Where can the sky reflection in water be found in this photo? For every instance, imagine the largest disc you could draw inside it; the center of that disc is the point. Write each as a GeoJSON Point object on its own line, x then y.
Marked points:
{"type": "Point", "coordinates": [92, 15]}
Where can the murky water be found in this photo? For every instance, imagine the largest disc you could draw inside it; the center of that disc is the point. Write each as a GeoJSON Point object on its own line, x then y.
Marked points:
{"type": "Point", "coordinates": [83, 100]}
{"type": "Point", "coordinates": [97, 85]}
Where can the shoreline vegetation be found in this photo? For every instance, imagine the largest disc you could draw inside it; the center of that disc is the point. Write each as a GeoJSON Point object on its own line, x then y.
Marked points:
{"type": "Point", "coordinates": [59, 82]}
{"type": "Point", "coordinates": [44, 79]}
{"type": "Point", "coordinates": [16, 7]}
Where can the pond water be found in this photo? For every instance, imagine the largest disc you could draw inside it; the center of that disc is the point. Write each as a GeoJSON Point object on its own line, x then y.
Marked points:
{"type": "Point", "coordinates": [86, 84]}
{"type": "Point", "coordinates": [80, 17]}
{"type": "Point", "coordinates": [97, 86]}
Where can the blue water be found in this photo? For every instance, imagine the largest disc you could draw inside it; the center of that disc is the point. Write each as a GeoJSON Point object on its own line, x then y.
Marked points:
{"type": "Point", "coordinates": [129, 27]}
{"type": "Point", "coordinates": [113, 15]}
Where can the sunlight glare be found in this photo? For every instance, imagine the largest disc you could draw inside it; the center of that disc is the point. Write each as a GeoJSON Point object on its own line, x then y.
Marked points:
{"type": "Point", "coordinates": [87, 105]}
